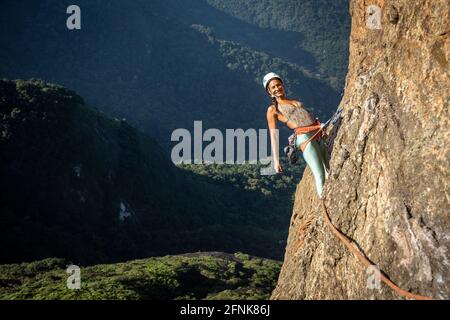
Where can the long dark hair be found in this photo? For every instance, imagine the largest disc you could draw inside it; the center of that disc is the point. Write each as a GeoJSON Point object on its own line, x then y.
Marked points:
{"type": "Point", "coordinates": [275, 103]}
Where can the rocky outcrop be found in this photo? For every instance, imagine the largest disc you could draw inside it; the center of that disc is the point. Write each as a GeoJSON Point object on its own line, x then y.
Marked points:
{"type": "Point", "coordinates": [390, 165]}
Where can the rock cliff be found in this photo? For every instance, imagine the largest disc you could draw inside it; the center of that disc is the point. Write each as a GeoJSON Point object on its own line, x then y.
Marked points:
{"type": "Point", "coordinates": [388, 188]}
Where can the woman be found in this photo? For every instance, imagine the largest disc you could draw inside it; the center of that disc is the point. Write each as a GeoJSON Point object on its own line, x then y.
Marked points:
{"type": "Point", "coordinates": [296, 117]}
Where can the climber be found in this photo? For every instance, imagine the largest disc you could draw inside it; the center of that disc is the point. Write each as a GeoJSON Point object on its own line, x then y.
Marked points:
{"type": "Point", "coordinates": [297, 118]}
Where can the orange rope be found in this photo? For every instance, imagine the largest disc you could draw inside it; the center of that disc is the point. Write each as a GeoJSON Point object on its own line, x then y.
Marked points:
{"type": "Point", "coordinates": [344, 239]}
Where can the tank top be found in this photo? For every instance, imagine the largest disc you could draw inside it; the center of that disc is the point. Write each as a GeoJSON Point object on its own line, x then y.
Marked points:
{"type": "Point", "coordinates": [296, 114]}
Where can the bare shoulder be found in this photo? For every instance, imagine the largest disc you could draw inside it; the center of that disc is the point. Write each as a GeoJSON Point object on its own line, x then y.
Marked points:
{"type": "Point", "coordinates": [271, 109]}
{"type": "Point", "coordinates": [298, 103]}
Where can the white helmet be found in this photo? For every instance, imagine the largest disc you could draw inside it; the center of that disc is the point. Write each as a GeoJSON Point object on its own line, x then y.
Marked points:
{"type": "Point", "coordinates": [269, 77]}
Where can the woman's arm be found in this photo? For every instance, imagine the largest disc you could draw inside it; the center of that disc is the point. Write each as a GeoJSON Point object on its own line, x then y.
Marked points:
{"type": "Point", "coordinates": [274, 137]}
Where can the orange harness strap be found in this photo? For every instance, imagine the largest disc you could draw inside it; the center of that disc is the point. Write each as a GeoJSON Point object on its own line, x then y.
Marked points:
{"type": "Point", "coordinates": [315, 126]}
{"type": "Point", "coordinates": [302, 130]}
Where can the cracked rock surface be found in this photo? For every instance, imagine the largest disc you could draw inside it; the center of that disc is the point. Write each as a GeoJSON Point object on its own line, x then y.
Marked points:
{"type": "Point", "coordinates": [390, 165]}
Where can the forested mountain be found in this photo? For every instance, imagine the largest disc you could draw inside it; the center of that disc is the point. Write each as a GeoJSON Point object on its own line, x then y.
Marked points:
{"type": "Point", "coordinates": [324, 26]}
{"type": "Point", "coordinates": [163, 64]}
{"type": "Point", "coordinates": [77, 184]}
{"type": "Point", "coordinates": [86, 177]}
{"type": "Point", "coordinates": [194, 276]}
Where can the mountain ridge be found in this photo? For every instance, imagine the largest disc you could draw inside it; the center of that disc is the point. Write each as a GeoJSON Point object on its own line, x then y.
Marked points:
{"type": "Point", "coordinates": [78, 184]}
{"type": "Point", "coordinates": [142, 61]}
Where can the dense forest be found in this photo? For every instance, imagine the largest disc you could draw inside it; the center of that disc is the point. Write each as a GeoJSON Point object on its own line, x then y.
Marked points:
{"type": "Point", "coordinates": [323, 24]}
{"type": "Point", "coordinates": [80, 185]}
{"type": "Point", "coordinates": [208, 276]}
{"type": "Point", "coordinates": [164, 64]}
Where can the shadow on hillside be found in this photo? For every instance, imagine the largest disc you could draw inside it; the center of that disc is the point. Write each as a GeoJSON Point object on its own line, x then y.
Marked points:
{"type": "Point", "coordinates": [286, 45]}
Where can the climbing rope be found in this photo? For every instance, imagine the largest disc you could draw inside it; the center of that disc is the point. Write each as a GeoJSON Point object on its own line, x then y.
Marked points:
{"type": "Point", "coordinates": [366, 262]}
{"type": "Point", "coordinates": [344, 239]}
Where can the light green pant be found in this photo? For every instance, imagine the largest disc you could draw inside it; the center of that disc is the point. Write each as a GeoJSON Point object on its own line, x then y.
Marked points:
{"type": "Point", "coordinates": [316, 159]}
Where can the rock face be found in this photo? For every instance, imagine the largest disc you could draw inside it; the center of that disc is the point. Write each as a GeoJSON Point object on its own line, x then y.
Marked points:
{"type": "Point", "coordinates": [388, 188]}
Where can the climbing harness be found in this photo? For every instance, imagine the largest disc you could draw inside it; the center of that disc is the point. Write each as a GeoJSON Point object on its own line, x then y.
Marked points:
{"type": "Point", "coordinates": [290, 150]}
{"type": "Point", "coordinates": [366, 262]}
{"type": "Point", "coordinates": [307, 129]}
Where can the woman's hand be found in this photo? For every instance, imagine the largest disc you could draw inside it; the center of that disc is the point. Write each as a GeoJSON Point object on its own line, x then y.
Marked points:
{"type": "Point", "coordinates": [278, 168]}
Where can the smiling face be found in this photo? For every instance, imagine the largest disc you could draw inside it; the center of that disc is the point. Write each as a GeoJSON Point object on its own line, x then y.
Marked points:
{"type": "Point", "coordinates": [276, 88]}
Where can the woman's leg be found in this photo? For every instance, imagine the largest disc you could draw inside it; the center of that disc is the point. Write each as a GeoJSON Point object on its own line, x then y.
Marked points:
{"type": "Point", "coordinates": [325, 157]}
{"type": "Point", "coordinates": [314, 159]}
